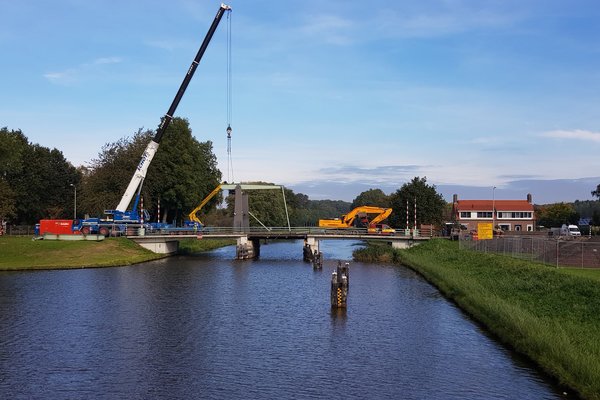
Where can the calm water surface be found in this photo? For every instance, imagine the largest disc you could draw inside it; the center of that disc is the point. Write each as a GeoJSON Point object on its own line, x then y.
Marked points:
{"type": "Point", "coordinates": [210, 327]}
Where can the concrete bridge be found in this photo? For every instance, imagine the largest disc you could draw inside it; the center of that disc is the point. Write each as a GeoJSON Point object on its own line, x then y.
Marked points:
{"type": "Point", "coordinates": [248, 240]}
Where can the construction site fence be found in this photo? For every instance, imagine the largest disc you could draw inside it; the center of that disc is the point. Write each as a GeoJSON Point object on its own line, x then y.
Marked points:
{"type": "Point", "coordinates": [17, 230]}
{"type": "Point", "coordinates": [580, 252]}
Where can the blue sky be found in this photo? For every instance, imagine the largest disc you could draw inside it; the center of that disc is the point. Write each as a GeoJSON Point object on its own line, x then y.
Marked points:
{"type": "Point", "coordinates": [473, 93]}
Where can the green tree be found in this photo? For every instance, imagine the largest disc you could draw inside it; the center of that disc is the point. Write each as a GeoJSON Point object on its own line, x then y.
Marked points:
{"type": "Point", "coordinates": [430, 204]}
{"type": "Point", "coordinates": [36, 179]}
{"type": "Point", "coordinates": [182, 173]}
{"type": "Point", "coordinates": [596, 218]}
{"type": "Point", "coordinates": [265, 205]}
{"type": "Point", "coordinates": [7, 201]}
{"type": "Point", "coordinates": [554, 215]}
{"type": "Point", "coordinates": [108, 175]}
{"type": "Point", "coordinates": [371, 197]}
{"type": "Point", "coordinates": [326, 209]}
{"type": "Point", "coordinates": [596, 192]}
{"type": "Point", "coordinates": [12, 144]}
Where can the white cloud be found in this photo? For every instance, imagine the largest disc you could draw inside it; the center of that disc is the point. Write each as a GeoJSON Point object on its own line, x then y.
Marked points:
{"type": "Point", "coordinates": [330, 28]}
{"type": "Point", "coordinates": [107, 60]}
{"type": "Point", "coordinates": [449, 17]}
{"type": "Point", "coordinates": [576, 134]}
{"type": "Point", "coordinates": [72, 75]}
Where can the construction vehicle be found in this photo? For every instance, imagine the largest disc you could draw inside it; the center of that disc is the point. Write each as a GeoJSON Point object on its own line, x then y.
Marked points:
{"type": "Point", "coordinates": [194, 221]}
{"type": "Point", "coordinates": [242, 212]}
{"type": "Point", "coordinates": [358, 218]}
{"type": "Point", "coordinates": [119, 220]}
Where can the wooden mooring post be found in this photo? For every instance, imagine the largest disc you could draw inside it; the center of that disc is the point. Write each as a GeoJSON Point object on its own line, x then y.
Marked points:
{"type": "Point", "coordinates": [340, 281]}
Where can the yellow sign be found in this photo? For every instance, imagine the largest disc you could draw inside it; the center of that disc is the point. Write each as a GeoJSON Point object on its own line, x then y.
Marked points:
{"type": "Point", "coordinates": [485, 230]}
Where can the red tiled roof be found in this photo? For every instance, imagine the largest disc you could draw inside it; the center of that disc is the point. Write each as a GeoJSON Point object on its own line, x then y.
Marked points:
{"type": "Point", "coordinates": [501, 205]}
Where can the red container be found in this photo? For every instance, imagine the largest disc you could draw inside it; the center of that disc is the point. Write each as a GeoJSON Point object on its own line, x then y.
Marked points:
{"type": "Point", "coordinates": [56, 226]}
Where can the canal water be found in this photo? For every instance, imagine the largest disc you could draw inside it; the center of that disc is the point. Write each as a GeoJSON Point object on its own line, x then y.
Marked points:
{"type": "Point", "coordinates": [208, 326]}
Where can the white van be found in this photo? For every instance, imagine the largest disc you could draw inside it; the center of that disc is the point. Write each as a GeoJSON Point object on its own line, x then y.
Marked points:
{"type": "Point", "coordinates": [570, 230]}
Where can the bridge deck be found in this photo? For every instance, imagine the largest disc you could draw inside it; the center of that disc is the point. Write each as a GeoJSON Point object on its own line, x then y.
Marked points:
{"type": "Point", "coordinates": [277, 233]}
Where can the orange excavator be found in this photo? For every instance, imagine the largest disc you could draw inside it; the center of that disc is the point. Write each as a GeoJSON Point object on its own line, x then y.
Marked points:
{"type": "Point", "coordinates": [359, 218]}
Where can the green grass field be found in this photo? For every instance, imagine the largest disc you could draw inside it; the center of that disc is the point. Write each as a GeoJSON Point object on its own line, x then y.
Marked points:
{"type": "Point", "coordinates": [551, 315]}
{"type": "Point", "coordinates": [23, 253]}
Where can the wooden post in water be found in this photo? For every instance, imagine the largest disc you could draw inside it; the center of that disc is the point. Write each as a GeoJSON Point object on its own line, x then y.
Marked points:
{"type": "Point", "coordinates": [340, 281]}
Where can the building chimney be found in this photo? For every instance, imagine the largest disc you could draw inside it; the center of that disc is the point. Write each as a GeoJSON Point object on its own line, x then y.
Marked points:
{"type": "Point", "coordinates": [529, 198]}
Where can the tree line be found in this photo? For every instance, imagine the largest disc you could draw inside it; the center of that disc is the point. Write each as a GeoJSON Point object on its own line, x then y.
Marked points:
{"type": "Point", "coordinates": [37, 182]}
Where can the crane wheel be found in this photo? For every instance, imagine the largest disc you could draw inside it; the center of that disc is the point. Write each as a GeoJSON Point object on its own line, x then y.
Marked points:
{"type": "Point", "coordinates": [103, 231]}
{"type": "Point", "coordinates": [85, 230]}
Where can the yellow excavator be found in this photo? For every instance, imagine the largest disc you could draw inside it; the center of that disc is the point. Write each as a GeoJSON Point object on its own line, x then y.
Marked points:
{"type": "Point", "coordinates": [358, 218]}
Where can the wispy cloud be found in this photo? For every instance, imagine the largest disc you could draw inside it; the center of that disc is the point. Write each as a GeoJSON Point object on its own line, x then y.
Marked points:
{"type": "Point", "coordinates": [72, 75]}
{"type": "Point", "coordinates": [445, 18]}
{"type": "Point", "coordinates": [166, 44]}
{"type": "Point", "coordinates": [353, 173]}
{"type": "Point", "coordinates": [331, 28]}
{"type": "Point", "coordinates": [106, 60]}
{"type": "Point", "coordinates": [576, 134]}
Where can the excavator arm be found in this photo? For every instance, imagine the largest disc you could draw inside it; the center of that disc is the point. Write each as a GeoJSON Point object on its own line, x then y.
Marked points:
{"type": "Point", "coordinates": [386, 213]}
{"type": "Point", "coordinates": [347, 220]}
{"type": "Point", "coordinates": [193, 214]}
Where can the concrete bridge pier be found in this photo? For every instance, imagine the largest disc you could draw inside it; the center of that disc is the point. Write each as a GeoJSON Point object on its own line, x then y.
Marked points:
{"type": "Point", "coordinates": [160, 245]}
{"type": "Point", "coordinates": [247, 249]}
{"type": "Point", "coordinates": [311, 252]}
{"type": "Point", "coordinates": [403, 244]}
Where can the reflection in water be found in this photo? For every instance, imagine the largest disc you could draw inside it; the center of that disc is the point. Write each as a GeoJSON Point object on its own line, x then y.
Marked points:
{"type": "Point", "coordinates": [207, 326]}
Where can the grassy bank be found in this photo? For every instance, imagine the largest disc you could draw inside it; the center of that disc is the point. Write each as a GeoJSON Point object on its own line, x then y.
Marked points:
{"type": "Point", "coordinates": [550, 315]}
{"type": "Point", "coordinates": [22, 253]}
{"type": "Point", "coordinates": [191, 246]}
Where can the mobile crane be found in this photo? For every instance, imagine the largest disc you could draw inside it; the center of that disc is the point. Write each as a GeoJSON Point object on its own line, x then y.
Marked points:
{"type": "Point", "coordinates": [358, 218]}
{"type": "Point", "coordinates": [120, 218]}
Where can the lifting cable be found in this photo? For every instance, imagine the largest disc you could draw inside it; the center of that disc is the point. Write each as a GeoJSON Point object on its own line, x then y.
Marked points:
{"type": "Point", "coordinates": [229, 102]}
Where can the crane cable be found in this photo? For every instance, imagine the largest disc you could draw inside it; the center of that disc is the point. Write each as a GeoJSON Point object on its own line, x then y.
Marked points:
{"type": "Point", "coordinates": [229, 102]}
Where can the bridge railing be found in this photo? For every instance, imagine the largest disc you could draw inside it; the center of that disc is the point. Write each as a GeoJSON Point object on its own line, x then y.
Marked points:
{"type": "Point", "coordinates": [276, 231]}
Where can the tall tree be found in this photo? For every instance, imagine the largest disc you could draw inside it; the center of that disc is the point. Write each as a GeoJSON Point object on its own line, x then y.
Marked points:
{"type": "Point", "coordinates": [371, 197]}
{"type": "Point", "coordinates": [7, 201]}
{"type": "Point", "coordinates": [430, 204]}
{"type": "Point", "coordinates": [109, 174]}
{"type": "Point", "coordinates": [554, 215]}
{"type": "Point", "coordinates": [12, 145]}
{"type": "Point", "coordinates": [265, 205]}
{"type": "Point", "coordinates": [596, 192]}
{"type": "Point", "coordinates": [37, 178]}
{"type": "Point", "coordinates": [182, 173]}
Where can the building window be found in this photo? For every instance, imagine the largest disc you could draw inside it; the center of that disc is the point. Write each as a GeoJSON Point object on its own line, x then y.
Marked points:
{"type": "Point", "coordinates": [515, 215]}
{"type": "Point", "coordinates": [504, 227]}
{"type": "Point", "coordinates": [529, 228]}
{"type": "Point", "coordinates": [484, 214]}
{"type": "Point", "coordinates": [465, 214]}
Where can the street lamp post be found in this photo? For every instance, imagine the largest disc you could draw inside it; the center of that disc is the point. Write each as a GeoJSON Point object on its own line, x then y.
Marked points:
{"type": "Point", "coordinates": [74, 201]}
{"type": "Point", "coordinates": [494, 207]}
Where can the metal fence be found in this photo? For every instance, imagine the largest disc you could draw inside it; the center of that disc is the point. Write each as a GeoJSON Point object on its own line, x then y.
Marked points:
{"type": "Point", "coordinates": [580, 252]}
{"type": "Point", "coordinates": [18, 230]}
